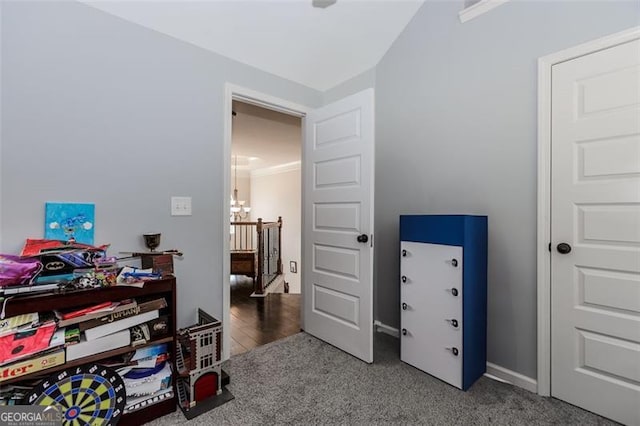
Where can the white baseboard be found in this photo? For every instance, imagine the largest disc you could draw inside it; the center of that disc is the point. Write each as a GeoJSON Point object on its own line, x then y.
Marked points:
{"type": "Point", "coordinates": [386, 329]}
{"type": "Point", "coordinates": [508, 376]}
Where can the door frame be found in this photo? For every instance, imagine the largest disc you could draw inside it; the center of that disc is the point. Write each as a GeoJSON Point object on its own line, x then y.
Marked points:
{"type": "Point", "coordinates": [238, 93]}
{"type": "Point", "coordinates": [545, 65]}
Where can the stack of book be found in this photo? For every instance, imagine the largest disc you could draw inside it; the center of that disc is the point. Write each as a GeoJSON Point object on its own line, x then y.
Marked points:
{"type": "Point", "coordinates": [148, 377]}
{"type": "Point", "coordinates": [34, 342]}
{"type": "Point", "coordinates": [25, 335]}
{"type": "Point", "coordinates": [110, 325]}
{"type": "Point", "coordinates": [28, 343]}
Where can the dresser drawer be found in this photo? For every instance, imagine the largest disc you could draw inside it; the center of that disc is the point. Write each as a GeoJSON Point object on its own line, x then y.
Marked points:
{"type": "Point", "coordinates": [443, 260]}
{"type": "Point", "coordinates": [432, 265]}
{"type": "Point", "coordinates": [429, 346]}
{"type": "Point", "coordinates": [428, 278]}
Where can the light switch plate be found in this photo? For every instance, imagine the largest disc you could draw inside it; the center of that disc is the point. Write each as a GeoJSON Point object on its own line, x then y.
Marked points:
{"type": "Point", "coordinates": [180, 206]}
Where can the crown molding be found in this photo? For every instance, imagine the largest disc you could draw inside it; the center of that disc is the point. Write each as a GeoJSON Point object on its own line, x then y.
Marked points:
{"type": "Point", "coordinates": [480, 8]}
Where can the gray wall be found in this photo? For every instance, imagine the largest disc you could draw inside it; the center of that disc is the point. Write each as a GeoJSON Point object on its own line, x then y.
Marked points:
{"type": "Point", "coordinates": [356, 84]}
{"type": "Point", "coordinates": [456, 133]}
{"type": "Point", "coordinates": [96, 109]}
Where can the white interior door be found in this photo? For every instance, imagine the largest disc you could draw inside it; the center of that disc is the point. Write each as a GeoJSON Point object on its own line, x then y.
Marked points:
{"type": "Point", "coordinates": [338, 212]}
{"type": "Point", "coordinates": [595, 288]}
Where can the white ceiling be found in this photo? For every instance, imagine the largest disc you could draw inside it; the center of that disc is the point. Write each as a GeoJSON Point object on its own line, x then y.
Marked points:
{"type": "Point", "coordinates": [262, 138]}
{"type": "Point", "coordinates": [319, 48]}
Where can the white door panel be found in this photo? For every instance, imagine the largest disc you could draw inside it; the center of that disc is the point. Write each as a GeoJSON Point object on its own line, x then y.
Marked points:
{"type": "Point", "coordinates": [338, 207]}
{"type": "Point", "coordinates": [337, 217]}
{"type": "Point", "coordinates": [601, 289]}
{"type": "Point", "coordinates": [595, 198]}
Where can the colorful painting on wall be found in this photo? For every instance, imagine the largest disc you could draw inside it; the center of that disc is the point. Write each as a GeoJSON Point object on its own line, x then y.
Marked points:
{"type": "Point", "coordinates": [69, 222]}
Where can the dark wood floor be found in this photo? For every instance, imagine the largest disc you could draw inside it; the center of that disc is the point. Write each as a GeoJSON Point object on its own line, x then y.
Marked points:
{"type": "Point", "coordinates": [258, 321]}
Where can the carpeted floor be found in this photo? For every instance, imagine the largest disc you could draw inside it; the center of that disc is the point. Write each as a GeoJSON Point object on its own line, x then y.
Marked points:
{"type": "Point", "coordinates": [301, 380]}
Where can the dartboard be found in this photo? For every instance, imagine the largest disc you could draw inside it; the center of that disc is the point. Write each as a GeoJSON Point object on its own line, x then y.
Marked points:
{"type": "Point", "coordinates": [87, 395]}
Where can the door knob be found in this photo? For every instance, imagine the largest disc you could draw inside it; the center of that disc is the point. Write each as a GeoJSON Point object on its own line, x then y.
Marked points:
{"type": "Point", "coordinates": [454, 263]}
{"type": "Point", "coordinates": [404, 331]}
{"type": "Point", "coordinates": [454, 291]}
{"type": "Point", "coordinates": [404, 306]}
{"type": "Point", "coordinates": [363, 238]}
{"type": "Point", "coordinates": [454, 323]}
{"type": "Point", "coordinates": [404, 253]}
{"type": "Point", "coordinates": [404, 279]}
{"type": "Point", "coordinates": [454, 351]}
{"type": "Point", "coordinates": [564, 248]}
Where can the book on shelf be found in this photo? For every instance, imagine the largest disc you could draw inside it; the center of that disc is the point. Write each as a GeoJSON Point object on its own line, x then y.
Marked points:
{"type": "Point", "coordinates": [74, 313]}
{"type": "Point", "coordinates": [65, 336]}
{"type": "Point", "coordinates": [58, 338]}
{"type": "Point", "coordinates": [147, 382]}
{"type": "Point", "coordinates": [115, 307]}
{"type": "Point", "coordinates": [71, 335]}
{"type": "Point", "coordinates": [149, 351]}
{"type": "Point", "coordinates": [12, 324]}
{"type": "Point", "coordinates": [26, 341]}
{"type": "Point", "coordinates": [134, 404]}
{"type": "Point", "coordinates": [98, 345]}
{"type": "Point", "coordinates": [43, 361]}
{"type": "Point", "coordinates": [150, 362]}
{"type": "Point", "coordinates": [132, 310]}
{"type": "Point", "coordinates": [124, 324]}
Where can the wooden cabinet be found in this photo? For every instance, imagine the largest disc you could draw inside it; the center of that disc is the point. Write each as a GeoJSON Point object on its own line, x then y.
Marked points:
{"type": "Point", "coordinates": [165, 288]}
{"type": "Point", "coordinates": [244, 263]}
{"type": "Point", "coordinates": [443, 296]}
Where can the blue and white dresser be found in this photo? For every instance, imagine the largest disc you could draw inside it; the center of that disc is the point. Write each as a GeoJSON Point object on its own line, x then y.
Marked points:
{"type": "Point", "coordinates": [443, 296]}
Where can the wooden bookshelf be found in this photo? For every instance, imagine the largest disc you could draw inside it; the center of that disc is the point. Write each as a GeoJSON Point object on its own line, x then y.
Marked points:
{"type": "Point", "coordinates": [45, 302]}
{"type": "Point", "coordinates": [85, 360]}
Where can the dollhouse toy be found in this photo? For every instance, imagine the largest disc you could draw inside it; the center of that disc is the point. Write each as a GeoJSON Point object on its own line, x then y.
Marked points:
{"type": "Point", "coordinates": [199, 361]}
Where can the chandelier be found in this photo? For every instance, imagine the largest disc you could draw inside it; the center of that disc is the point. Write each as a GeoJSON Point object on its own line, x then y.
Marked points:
{"type": "Point", "coordinates": [239, 209]}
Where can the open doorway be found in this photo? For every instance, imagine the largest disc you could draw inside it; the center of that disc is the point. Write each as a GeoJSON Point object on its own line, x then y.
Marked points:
{"type": "Point", "coordinates": [265, 226]}
{"type": "Point", "coordinates": [337, 199]}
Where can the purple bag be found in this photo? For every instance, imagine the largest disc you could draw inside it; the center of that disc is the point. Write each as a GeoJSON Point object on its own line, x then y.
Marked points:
{"type": "Point", "coordinates": [15, 270]}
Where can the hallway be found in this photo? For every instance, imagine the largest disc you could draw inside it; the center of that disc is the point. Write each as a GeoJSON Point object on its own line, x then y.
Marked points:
{"type": "Point", "coordinates": [256, 321]}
